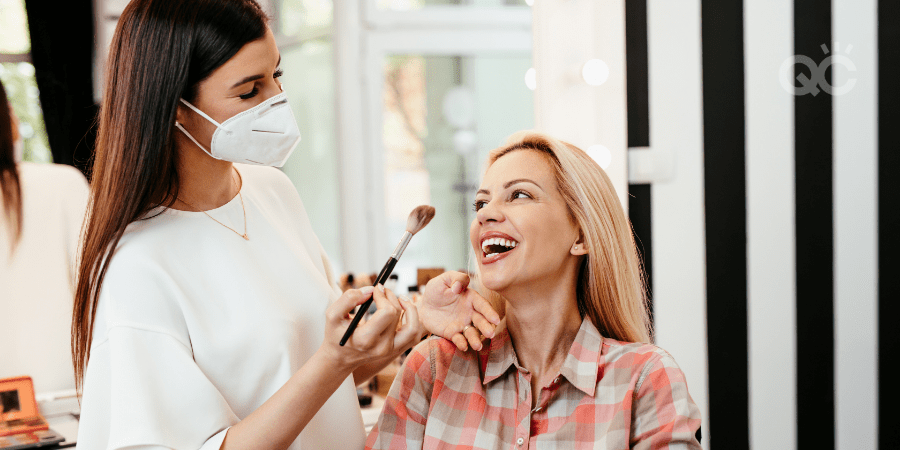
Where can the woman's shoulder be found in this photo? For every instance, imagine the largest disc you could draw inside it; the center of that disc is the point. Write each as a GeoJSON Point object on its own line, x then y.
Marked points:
{"type": "Point", "coordinates": [62, 179]}
{"type": "Point", "coordinates": [153, 234]}
{"type": "Point", "coordinates": [264, 178]}
{"type": "Point", "coordinates": [54, 173]}
{"type": "Point", "coordinates": [438, 354]}
{"type": "Point", "coordinates": [639, 356]}
{"type": "Point", "coordinates": [60, 170]}
{"type": "Point", "coordinates": [162, 239]}
{"type": "Point", "coordinates": [139, 290]}
{"type": "Point", "coordinates": [638, 361]}
{"type": "Point", "coordinates": [271, 187]}
{"type": "Point", "coordinates": [436, 347]}
{"type": "Point", "coordinates": [142, 253]}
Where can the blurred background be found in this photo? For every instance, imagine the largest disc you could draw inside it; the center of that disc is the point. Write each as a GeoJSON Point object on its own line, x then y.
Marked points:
{"type": "Point", "coordinates": [749, 143]}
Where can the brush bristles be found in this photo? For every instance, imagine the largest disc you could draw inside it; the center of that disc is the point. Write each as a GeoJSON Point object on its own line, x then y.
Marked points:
{"type": "Point", "coordinates": [419, 217]}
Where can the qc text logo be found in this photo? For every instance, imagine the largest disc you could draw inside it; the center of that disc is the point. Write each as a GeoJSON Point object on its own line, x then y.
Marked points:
{"type": "Point", "coordinates": [816, 81]}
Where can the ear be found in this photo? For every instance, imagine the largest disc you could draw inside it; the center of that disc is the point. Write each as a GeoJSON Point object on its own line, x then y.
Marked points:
{"type": "Point", "coordinates": [181, 113]}
{"type": "Point", "coordinates": [578, 247]}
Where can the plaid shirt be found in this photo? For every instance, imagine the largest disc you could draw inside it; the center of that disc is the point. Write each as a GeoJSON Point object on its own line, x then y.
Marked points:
{"type": "Point", "coordinates": [608, 395]}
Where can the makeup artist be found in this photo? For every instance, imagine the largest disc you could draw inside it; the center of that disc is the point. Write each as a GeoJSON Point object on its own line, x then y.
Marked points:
{"type": "Point", "coordinates": [206, 314]}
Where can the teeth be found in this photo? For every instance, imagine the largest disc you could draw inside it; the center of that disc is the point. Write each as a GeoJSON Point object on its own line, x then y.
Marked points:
{"type": "Point", "coordinates": [508, 243]}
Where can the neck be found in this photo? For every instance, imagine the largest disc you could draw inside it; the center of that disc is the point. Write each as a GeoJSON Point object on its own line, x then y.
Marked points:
{"type": "Point", "coordinates": [204, 182]}
{"type": "Point", "coordinates": [543, 322]}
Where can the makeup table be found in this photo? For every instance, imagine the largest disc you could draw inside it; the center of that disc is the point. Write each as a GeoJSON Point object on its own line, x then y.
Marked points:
{"type": "Point", "coordinates": [61, 410]}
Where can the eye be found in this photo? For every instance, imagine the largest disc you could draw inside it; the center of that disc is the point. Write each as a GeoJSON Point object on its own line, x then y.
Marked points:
{"type": "Point", "coordinates": [478, 205]}
{"type": "Point", "coordinates": [250, 94]}
{"type": "Point", "coordinates": [278, 73]}
{"type": "Point", "coordinates": [519, 194]}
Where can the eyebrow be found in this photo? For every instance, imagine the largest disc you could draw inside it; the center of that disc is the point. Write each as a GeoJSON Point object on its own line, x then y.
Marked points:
{"type": "Point", "coordinates": [510, 183]}
{"type": "Point", "coordinates": [254, 77]}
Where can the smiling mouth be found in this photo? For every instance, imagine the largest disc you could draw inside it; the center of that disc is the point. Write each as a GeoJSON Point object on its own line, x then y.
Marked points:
{"type": "Point", "coordinates": [495, 246]}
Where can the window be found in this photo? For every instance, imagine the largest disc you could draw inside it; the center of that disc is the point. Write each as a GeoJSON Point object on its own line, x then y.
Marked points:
{"type": "Point", "coordinates": [425, 89]}
{"type": "Point", "coordinates": [304, 33]}
{"type": "Point", "coordinates": [17, 76]}
{"type": "Point", "coordinates": [441, 115]}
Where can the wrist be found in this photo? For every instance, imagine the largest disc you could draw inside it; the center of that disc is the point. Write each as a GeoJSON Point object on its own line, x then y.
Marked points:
{"type": "Point", "coordinates": [422, 330]}
{"type": "Point", "coordinates": [333, 362]}
{"type": "Point", "coordinates": [426, 325]}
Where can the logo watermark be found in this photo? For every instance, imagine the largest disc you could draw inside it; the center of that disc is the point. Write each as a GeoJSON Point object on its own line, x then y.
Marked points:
{"type": "Point", "coordinates": [817, 82]}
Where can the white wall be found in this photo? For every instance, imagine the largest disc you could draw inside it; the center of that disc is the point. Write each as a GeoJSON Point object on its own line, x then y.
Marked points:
{"type": "Point", "coordinates": [769, 41]}
{"type": "Point", "coordinates": [676, 133]}
{"type": "Point", "coordinates": [566, 106]}
{"type": "Point", "coordinates": [856, 224]}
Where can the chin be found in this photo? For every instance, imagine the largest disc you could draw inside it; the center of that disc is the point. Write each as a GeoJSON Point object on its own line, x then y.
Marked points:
{"type": "Point", "coordinates": [494, 283]}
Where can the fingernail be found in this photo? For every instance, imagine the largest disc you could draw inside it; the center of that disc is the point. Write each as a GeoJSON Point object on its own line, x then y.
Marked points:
{"type": "Point", "coordinates": [405, 298]}
{"type": "Point", "coordinates": [366, 290]}
{"type": "Point", "coordinates": [381, 287]}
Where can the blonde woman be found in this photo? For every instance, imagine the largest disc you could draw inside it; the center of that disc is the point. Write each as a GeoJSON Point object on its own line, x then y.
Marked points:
{"type": "Point", "coordinates": [571, 366]}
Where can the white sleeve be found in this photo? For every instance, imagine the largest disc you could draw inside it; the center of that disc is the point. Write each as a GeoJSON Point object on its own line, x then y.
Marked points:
{"type": "Point", "coordinates": [213, 443]}
{"type": "Point", "coordinates": [329, 275]}
{"type": "Point", "coordinates": [159, 396]}
{"type": "Point", "coordinates": [142, 387]}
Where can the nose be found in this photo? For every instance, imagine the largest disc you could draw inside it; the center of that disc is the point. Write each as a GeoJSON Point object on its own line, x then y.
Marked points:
{"type": "Point", "coordinates": [271, 88]}
{"type": "Point", "coordinates": [489, 212]}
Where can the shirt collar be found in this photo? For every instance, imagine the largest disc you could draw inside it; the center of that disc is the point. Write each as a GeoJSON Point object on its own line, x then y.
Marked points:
{"type": "Point", "coordinates": [500, 355]}
{"type": "Point", "coordinates": [580, 367]}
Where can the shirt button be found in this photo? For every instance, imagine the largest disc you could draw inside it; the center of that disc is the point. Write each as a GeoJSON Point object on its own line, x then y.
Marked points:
{"type": "Point", "coordinates": [520, 441]}
{"type": "Point", "coordinates": [556, 380]}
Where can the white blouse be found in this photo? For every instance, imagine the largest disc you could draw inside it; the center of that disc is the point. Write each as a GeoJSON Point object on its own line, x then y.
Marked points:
{"type": "Point", "coordinates": [197, 327]}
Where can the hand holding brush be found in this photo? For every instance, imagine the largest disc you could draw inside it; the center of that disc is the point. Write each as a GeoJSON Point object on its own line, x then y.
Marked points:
{"type": "Point", "coordinates": [417, 220]}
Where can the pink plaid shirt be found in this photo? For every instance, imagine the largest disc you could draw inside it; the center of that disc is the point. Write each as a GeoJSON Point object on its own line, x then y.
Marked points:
{"type": "Point", "coordinates": [608, 395]}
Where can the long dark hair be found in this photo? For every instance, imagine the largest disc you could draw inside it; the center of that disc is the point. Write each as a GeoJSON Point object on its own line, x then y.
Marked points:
{"type": "Point", "coordinates": [10, 188]}
{"type": "Point", "coordinates": [161, 50]}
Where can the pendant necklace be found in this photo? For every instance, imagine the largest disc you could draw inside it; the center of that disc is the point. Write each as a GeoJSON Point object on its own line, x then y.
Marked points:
{"type": "Point", "coordinates": [246, 236]}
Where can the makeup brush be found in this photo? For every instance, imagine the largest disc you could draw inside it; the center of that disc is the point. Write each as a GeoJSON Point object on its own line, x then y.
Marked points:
{"type": "Point", "coordinates": [418, 218]}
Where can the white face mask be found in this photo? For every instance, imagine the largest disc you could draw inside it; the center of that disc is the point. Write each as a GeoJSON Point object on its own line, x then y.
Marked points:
{"type": "Point", "coordinates": [263, 135]}
{"type": "Point", "coordinates": [19, 149]}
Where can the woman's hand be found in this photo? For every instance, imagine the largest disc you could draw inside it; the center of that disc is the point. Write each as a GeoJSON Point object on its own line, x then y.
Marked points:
{"type": "Point", "coordinates": [380, 335]}
{"type": "Point", "coordinates": [449, 305]}
{"type": "Point", "coordinates": [371, 346]}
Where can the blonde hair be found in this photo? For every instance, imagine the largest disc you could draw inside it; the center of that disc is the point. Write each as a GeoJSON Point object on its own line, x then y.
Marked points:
{"type": "Point", "coordinates": [611, 287]}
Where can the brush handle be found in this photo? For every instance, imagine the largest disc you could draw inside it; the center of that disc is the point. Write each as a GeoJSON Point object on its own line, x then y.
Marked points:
{"type": "Point", "coordinates": [382, 277]}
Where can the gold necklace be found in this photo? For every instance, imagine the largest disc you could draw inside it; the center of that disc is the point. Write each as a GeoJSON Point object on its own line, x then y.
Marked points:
{"type": "Point", "coordinates": [246, 236]}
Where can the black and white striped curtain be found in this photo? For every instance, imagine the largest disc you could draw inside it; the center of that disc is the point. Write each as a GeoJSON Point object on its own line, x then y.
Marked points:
{"type": "Point", "coordinates": [771, 238]}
